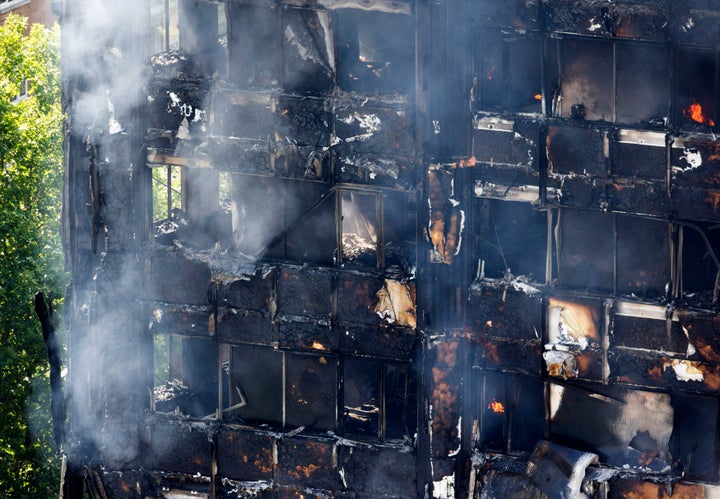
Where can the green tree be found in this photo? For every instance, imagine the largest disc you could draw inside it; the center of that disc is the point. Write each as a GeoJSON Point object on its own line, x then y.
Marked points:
{"type": "Point", "coordinates": [30, 251]}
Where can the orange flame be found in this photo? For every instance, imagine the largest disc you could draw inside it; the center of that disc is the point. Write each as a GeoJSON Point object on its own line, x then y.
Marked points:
{"type": "Point", "coordinates": [496, 407]}
{"type": "Point", "coordinates": [695, 113]}
{"type": "Point", "coordinates": [538, 96]}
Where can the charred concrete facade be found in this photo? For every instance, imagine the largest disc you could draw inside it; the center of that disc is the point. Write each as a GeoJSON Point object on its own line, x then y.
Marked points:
{"type": "Point", "coordinates": [383, 248]}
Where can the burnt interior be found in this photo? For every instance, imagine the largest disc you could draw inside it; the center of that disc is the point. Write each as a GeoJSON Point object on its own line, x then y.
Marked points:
{"type": "Point", "coordinates": [395, 249]}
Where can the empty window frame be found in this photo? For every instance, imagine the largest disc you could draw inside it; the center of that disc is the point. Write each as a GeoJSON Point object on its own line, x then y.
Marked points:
{"type": "Point", "coordinates": [612, 253]}
{"type": "Point", "coordinates": [509, 74]}
{"type": "Point", "coordinates": [375, 51]}
{"type": "Point", "coordinates": [698, 88]}
{"type": "Point", "coordinates": [186, 376]}
{"type": "Point", "coordinates": [343, 226]}
{"type": "Point", "coordinates": [697, 271]}
{"type": "Point", "coordinates": [378, 399]}
{"type": "Point", "coordinates": [624, 427]}
{"type": "Point", "coordinates": [281, 389]}
{"type": "Point", "coordinates": [511, 238]}
{"type": "Point", "coordinates": [602, 80]}
{"type": "Point", "coordinates": [164, 23]}
{"type": "Point", "coordinates": [510, 411]}
{"type": "Point", "coordinates": [167, 192]}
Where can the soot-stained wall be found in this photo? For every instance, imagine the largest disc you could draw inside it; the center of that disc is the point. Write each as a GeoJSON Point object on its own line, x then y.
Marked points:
{"type": "Point", "coordinates": [392, 248]}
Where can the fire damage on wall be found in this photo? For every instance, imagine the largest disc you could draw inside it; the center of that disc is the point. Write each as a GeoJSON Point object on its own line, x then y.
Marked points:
{"type": "Point", "coordinates": [387, 248]}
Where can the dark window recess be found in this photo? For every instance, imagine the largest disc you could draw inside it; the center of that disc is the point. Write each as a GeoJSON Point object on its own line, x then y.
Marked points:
{"type": "Point", "coordinates": [601, 80]}
{"type": "Point", "coordinates": [698, 268]}
{"type": "Point", "coordinates": [510, 237]}
{"type": "Point", "coordinates": [697, 89]}
{"type": "Point", "coordinates": [399, 221]}
{"type": "Point", "coordinates": [311, 391]}
{"type": "Point", "coordinates": [695, 432]}
{"type": "Point", "coordinates": [583, 87]}
{"type": "Point", "coordinates": [187, 206]}
{"type": "Point", "coordinates": [186, 376]}
{"type": "Point", "coordinates": [254, 46]}
{"type": "Point", "coordinates": [254, 386]}
{"type": "Point", "coordinates": [201, 38]}
{"type": "Point", "coordinates": [297, 224]}
{"type": "Point", "coordinates": [261, 380]}
{"type": "Point", "coordinates": [585, 249]}
{"type": "Point", "coordinates": [379, 399]}
{"type": "Point", "coordinates": [510, 411]}
{"type": "Point", "coordinates": [375, 51]}
{"type": "Point", "coordinates": [643, 261]}
{"type": "Point", "coordinates": [509, 73]}
{"type": "Point", "coordinates": [642, 91]}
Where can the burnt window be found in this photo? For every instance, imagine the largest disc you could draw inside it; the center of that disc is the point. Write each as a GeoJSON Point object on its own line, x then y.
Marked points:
{"type": "Point", "coordinates": [254, 46]}
{"type": "Point", "coordinates": [167, 191]}
{"type": "Point", "coordinates": [308, 223]}
{"type": "Point", "coordinates": [164, 22]}
{"type": "Point", "coordinates": [508, 76]}
{"type": "Point", "coordinates": [379, 399]}
{"type": "Point", "coordinates": [696, 426]}
{"type": "Point", "coordinates": [186, 376]}
{"type": "Point", "coordinates": [698, 265]}
{"type": "Point", "coordinates": [601, 80]}
{"type": "Point", "coordinates": [510, 411]}
{"type": "Point", "coordinates": [697, 89]}
{"type": "Point", "coordinates": [375, 51]}
{"type": "Point", "coordinates": [281, 389]}
{"type": "Point", "coordinates": [510, 238]}
{"type": "Point", "coordinates": [630, 428]}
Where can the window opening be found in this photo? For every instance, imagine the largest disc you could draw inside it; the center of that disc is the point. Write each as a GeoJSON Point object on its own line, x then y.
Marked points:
{"type": "Point", "coordinates": [167, 191]}
{"type": "Point", "coordinates": [359, 227]}
{"type": "Point", "coordinates": [186, 376]}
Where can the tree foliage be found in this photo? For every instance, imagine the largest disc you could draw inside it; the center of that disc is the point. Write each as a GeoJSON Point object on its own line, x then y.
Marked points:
{"type": "Point", "coordinates": [30, 250]}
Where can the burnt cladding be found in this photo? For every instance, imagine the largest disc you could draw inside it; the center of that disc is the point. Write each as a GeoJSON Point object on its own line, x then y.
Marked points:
{"type": "Point", "coordinates": [391, 249]}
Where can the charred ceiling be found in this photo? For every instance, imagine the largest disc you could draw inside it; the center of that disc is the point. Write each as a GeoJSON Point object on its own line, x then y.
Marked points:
{"type": "Point", "coordinates": [392, 248]}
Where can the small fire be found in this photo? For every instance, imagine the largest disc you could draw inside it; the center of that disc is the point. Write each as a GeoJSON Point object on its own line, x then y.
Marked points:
{"type": "Point", "coordinates": [695, 113]}
{"type": "Point", "coordinates": [491, 73]}
{"type": "Point", "coordinates": [538, 96]}
{"type": "Point", "coordinates": [496, 407]}
{"type": "Point", "coordinates": [316, 345]}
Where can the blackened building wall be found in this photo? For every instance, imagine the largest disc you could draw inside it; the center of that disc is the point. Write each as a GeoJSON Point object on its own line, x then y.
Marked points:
{"type": "Point", "coordinates": [392, 249]}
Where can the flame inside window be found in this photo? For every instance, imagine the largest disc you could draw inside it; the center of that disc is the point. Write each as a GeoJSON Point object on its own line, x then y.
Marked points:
{"type": "Point", "coordinates": [496, 407]}
{"type": "Point", "coordinates": [694, 112]}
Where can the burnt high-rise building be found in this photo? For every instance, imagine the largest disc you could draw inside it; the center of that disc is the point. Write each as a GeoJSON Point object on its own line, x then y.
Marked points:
{"type": "Point", "coordinates": [387, 248]}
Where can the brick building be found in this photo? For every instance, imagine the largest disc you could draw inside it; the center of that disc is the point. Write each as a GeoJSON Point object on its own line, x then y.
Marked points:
{"type": "Point", "coordinates": [37, 11]}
